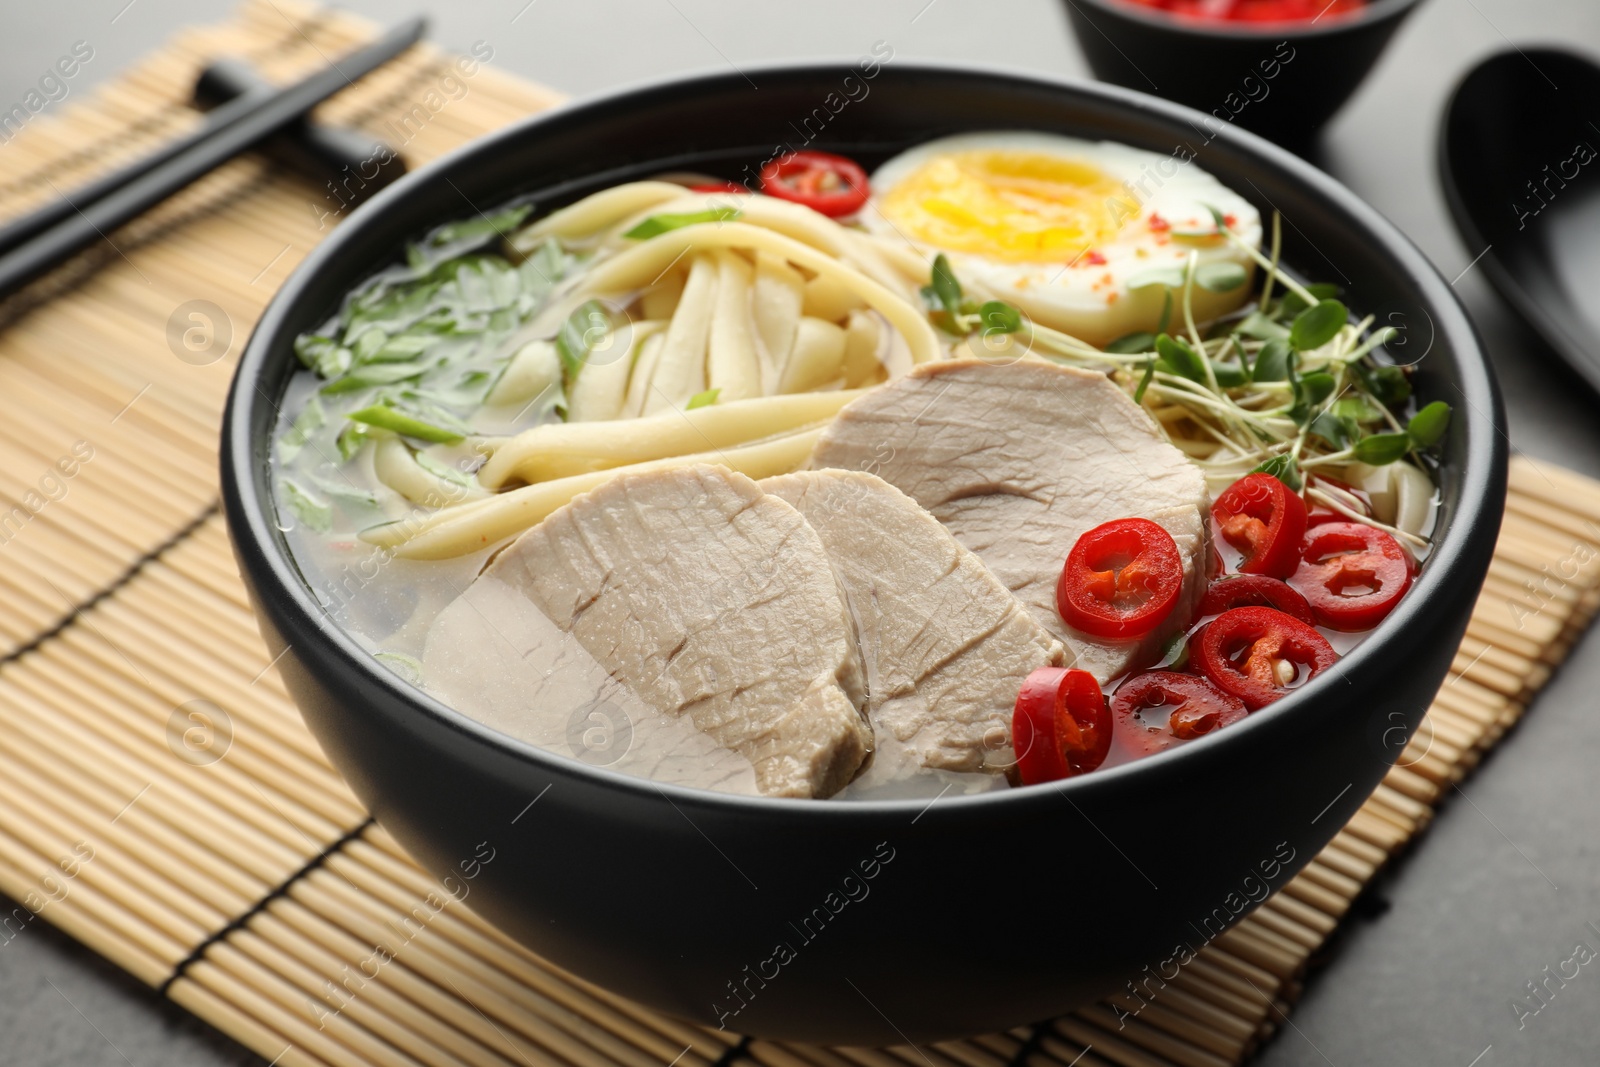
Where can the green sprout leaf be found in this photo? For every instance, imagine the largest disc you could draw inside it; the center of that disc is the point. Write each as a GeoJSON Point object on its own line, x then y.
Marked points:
{"type": "Point", "coordinates": [1144, 382]}
{"type": "Point", "coordinates": [1380, 449]}
{"type": "Point", "coordinates": [1176, 357]}
{"type": "Point", "coordinates": [703, 400]}
{"type": "Point", "coordinates": [1337, 431]}
{"type": "Point", "coordinates": [1273, 362]}
{"type": "Point", "coordinates": [1292, 305]}
{"type": "Point", "coordinates": [1133, 343]}
{"type": "Point", "coordinates": [656, 225]}
{"type": "Point", "coordinates": [999, 317]}
{"type": "Point", "coordinates": [1283, 468]}
{"type": "Point", "coordinates": [1229, 375]}
{"type": "Point", "coordinates": [1357, 409]}
{"type": "Point", "coordinates": [1220, 277]}
{"type": "Point", "coordinates": [946, 289]}
{"type": "Point", "coordinates": [1317, 387]}
{"type": "Point", "coordinates": [1427, 426]}
{"type": "Point", "coordinates": [1316, 326]}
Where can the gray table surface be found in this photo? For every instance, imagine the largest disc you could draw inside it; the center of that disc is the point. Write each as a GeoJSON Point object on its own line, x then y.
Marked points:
{"type": "Point", "coordinates": [1508, 877]}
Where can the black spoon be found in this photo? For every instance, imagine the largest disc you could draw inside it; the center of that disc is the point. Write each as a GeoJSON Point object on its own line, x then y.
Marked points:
{"type": "Point", "coordinates": [1519, 158]}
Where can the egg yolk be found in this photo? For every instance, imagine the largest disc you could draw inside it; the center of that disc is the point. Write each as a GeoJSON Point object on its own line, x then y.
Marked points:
{"type": "Point", "coordinates": [1015, 206]}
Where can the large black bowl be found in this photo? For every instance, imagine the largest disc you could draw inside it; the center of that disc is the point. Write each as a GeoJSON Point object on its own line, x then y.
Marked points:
{"type": "Point", "coordinates": [1282, 80]}
{"type": "Point", "coordinates": [890, 921]}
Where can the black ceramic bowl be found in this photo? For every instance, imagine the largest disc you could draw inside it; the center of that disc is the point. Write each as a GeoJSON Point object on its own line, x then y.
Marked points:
{"type": "Point", "coordinates": [874, 922]}
{"type": "Point", "coordinates": [1282, 80]}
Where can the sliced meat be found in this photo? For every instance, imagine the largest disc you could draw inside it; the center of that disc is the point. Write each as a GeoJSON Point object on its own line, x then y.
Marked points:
{"type": "Point", "coordinates": [1019, 461]}
{"type": "Point", "coordinates": [493, 656]}
{"type": "Point", "coordinates": [944, 644]}
{"type": "Point", "coordinates": [710, 602]}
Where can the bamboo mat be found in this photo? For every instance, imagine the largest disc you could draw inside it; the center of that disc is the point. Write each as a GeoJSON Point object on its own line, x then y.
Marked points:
{"type": "Point", "coordinates": [161, 801]}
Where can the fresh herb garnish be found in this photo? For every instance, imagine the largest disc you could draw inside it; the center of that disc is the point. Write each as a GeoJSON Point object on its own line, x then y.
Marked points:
{"type": "Point", "coordinates": [582, 330]}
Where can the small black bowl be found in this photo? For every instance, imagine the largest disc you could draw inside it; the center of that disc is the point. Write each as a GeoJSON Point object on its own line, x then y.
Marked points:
{"type": "Point", "coordinates": [1282, 80]}
{"type": "Point", "coordinates": [889, 921]}
{"type": "Point", "coordinates": [1520, 169]}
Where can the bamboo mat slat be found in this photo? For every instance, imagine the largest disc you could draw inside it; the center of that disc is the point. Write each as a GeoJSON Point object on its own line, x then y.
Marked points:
{"type": "Point", "coordinates": [159, 794]}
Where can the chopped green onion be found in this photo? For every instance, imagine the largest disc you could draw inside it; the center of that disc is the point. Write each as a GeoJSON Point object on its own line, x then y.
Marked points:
{"type": "Point", "coordinates": [444, 471]}
{"type": "Point", "coordinates": [656, 225]}
{"type": "Point", "coordinates": [386, 416]}
{"type": "Point", "coordinates": [305, 424]}
{"type": "Point", "coordinates": [371, 375]}
{"type": "Point", "coordinates": [308, 509]}
{"type": "Point", "coordinates": [350, 440]}
{"type": "Point", "coordinates": [701, 400]}
{"type": "Point", "coordinates": [407, 667]}
{"type": "Point", "coordinates": [587, 324]}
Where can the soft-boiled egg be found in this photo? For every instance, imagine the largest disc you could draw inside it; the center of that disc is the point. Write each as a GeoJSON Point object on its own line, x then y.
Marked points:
{"type": "Point", "coordinates": [1083, 236]}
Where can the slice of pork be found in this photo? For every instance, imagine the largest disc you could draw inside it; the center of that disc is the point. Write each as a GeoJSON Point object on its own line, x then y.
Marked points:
{"type": "Point", "coordinates": [708, 602]}
{"type": "Point", "coordinates": [944, 644]}
{"type": "Point", "coordinates": [1020, 460]}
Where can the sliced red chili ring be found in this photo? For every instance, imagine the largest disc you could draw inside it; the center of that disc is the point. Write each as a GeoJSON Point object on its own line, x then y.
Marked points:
{"type": "Point", "coordinates": [1265, 520]}
{"type": "Point", "coordinates": [1156, 709]}
{"type": "Point", "coordinates": [826, 183]}
{"type": "Point", "coordinates": [1121, 579]}
{"type": "Point", "coordinates": [1352, 575]}
{"type": "Point", "coordinates": [1060, 726]}
{"type": "Point", "coordinates": [720, 187]}
{"type": "Point", "coordinates": [1247, 590]}
{"type": "Point", "coordinates": [1243, 651]}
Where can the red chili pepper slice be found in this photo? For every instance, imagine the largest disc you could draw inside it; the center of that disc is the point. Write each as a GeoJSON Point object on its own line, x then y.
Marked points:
{"type": "Point", "coordinates": [1352, 575]}
{"type": "Point", "coordinates": [1155, 709]}
{"type": "Point", "coordinates": [1242, 649]}
{"type": "Point", "coordinates": [719, 187]}
{"type": "Point", "coordinates": [1265, 520]}
{"type": "Point", "coordinates": [826, 183]}
{"type": "Point", "coordinates": [1254, 590]}
{"type": "Point", "coordinates": [1060, 726]}
{"type": "Point", "coordinates": [1121, 580]}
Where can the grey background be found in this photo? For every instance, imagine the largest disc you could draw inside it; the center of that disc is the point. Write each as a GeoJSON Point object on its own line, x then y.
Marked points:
{"type": "Point", "coordinates": [1507, 878]}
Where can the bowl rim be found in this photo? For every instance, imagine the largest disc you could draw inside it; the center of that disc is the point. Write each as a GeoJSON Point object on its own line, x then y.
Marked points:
{"type": "Point", "coordinates": [247, 494]}
{"type": "Point", "coordinates": [1371, 12]}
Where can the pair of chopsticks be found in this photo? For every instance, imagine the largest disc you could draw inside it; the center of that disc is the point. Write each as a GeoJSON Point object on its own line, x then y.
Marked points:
{"type": "Point", "coordinates": [35, 243]}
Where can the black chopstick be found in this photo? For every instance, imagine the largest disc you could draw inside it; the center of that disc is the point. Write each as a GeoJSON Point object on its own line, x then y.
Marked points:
{"type": "Point", "coordinates": [43, 239]}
